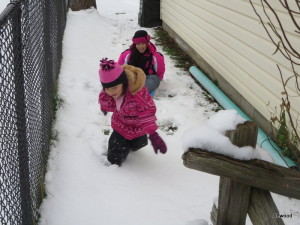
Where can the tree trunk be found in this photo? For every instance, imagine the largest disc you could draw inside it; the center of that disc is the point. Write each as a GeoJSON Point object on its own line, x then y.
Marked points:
{"type": "Point", "coordinates": [77, 5]}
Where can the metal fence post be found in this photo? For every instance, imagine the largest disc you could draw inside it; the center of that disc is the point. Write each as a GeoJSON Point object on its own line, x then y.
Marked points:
{"type": "Point", "coordinates": [21, 120]}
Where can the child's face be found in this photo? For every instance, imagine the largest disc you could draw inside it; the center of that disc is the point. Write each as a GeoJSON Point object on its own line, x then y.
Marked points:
{"type": "Point", "coordinates": [115, 91]}
{"type": "Point", "coordinates": [141, 47]}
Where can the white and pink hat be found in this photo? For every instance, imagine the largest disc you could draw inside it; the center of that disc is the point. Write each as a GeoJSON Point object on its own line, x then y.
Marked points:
{"type": "Point", "coordinates": [111, 73]}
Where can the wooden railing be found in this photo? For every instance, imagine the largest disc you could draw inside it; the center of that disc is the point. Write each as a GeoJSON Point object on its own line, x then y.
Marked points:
{"type": "Point", "coordinates": [245, 186]}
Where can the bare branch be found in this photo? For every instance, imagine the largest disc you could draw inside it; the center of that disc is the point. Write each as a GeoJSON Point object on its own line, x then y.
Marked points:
{"type": "Point", "coordinates": [286, 101]}
{"type": "Point", "coordinates": [296, 75]}
{"type": "Point", "coordinates": [294, 52]}
{"type": "Point", "coordinates": [297, 3]}
{"type": "Point", "coordinates": [263, 24]}
{"type": "Point", "coordinates": [279, 38]}
{"type": "Point", "coordinates": [278, 47]}
{"type": "Point", "coordinates": [286, 6]}
{"type": "Point", "coordinates": [286, 51]}
{"type": "Point", "coordinates": [291, 15]}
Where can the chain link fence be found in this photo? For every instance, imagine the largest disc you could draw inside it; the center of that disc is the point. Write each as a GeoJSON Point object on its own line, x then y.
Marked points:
{"type": "Point", "coordinates": [31, 35]}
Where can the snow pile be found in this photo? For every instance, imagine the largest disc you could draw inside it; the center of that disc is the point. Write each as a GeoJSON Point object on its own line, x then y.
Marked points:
{"type": "Point", "coordinates": [210, 137]}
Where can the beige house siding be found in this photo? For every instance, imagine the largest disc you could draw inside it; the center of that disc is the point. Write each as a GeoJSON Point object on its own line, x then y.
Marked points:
{"type": "Point", "coordinates": [227, 35]}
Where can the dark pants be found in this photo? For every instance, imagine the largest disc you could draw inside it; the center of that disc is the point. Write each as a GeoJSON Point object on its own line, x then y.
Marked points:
{"type": "Point", "coordinates": [119, 147]}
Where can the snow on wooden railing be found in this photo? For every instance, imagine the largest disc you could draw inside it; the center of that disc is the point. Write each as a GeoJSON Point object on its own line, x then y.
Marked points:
{"type": "Point", "coordinates": [245, 186]}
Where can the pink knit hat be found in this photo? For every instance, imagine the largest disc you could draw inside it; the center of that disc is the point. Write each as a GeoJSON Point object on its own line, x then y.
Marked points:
{"type": "Point", "coordinates": [111, 73]}
{"type": "Point", "coordinates": [141, 36]}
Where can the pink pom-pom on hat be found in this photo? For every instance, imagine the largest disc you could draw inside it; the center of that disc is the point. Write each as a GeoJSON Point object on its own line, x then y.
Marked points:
{"type": "Point", "coordinates": [111, 73]}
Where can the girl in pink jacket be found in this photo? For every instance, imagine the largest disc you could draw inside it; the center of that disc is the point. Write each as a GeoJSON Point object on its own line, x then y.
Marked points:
{"type": "Point", "coordinates": [133, 110]}
{"type": "Point", "coordinates": [142, 53]}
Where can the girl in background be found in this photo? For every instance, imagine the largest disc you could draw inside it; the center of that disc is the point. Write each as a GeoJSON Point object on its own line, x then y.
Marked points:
{"type": "Point", "coordinates": [142, 53]}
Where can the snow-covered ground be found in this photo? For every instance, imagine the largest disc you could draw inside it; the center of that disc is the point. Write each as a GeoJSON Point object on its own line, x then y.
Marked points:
{"type": "Point", "coordinates": [148, 189]}
{"type": "Point", "coordinates": [3, 4]}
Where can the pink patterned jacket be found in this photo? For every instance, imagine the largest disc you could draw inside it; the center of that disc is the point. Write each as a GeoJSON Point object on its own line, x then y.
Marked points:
{"type": "Point", "coordinates": [136, 116]}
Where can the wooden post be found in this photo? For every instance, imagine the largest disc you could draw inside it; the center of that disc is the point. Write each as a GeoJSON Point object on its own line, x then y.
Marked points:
{"type": "Point", "coordinates": [262, 209]}
{"type": "Point", "coordinates": [244, 135]}
{"type": "Point", "coordinates": [233, 202]}
{"type": "Point", "coordinates": [256, 173]}
{"type": "Point", "coordinates": [245, 185]}
{"type": "Point", "coordinates": [234, 196]}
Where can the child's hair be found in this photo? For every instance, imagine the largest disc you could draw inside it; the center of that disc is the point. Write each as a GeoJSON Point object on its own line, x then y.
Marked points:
{"type": "Point", "coordinates": [125, 86]}
{"type": "Point", "coordinates": [136, 59]}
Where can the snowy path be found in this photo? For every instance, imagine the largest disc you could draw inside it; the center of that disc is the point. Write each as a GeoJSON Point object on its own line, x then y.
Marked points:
{"type": "Point", "coordinates": [148, 189]}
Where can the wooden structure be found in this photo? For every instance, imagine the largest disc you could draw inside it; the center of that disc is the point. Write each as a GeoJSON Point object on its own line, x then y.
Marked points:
{"type": "Point", "coordinates": [245, 186]}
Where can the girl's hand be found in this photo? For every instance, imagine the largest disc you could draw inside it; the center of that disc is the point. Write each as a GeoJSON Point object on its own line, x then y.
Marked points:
{"type": "Point", "coordinates": [158, 143]}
